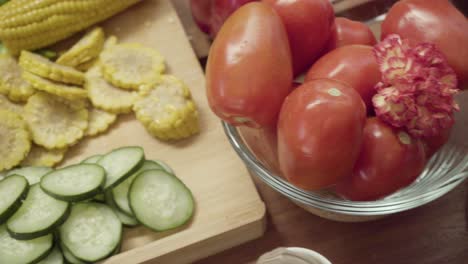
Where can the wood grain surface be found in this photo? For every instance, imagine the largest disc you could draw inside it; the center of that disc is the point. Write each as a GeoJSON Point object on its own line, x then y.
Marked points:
{"type": "Point", "coordinates": [228, 208]}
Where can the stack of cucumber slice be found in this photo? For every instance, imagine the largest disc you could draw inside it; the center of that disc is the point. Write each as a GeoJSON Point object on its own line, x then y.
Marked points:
{"type": "Point", "coordinates": [75, 214]}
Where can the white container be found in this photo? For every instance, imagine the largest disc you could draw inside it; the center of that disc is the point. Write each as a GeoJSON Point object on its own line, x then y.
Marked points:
{"type": "Point", "coordinates": [292, 255]}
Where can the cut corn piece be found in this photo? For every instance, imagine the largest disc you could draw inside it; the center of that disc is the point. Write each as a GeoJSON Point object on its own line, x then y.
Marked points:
{"type": "Point", "coordinates": [85, 50]}
{"type": "Point", "coordinates": [110, 41]}
{"type": "Point", "coordinates": [34, 24]}
{"type": "Point", "coordinates": [99, 121]}
{"type": "Point", "coordinates": [107, 97]}
{"type": "Point", "coordinates": [55, 122]}
{"type": "Point", "coordinates": [11, 82]}
{"type": "Point", "coordinates": [43, 67]}
{"type": "Point", "coordinates": [131, 65]}
{"type": "Point", "coordinates": [167, 110]}
{"type": "Point", "coordinates": [39, 156]}
{"type": "Point", "coordinates": [6, 104]}
{"type": "Point", "coordinates": [15, 141]}
{"type": "Point", "coordinates": [86, 65]}
{"type": "Point", "coordinates": [62, 90]}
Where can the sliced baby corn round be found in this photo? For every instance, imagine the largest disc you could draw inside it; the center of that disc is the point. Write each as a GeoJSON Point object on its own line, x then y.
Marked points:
{"type": "Point", "coordinates": [43, 67]}
{"type": "Point", "coordinates": [107, 97]}
{"type": "Point", "coordinates": [86, 65]}
{"type": "Point", "coordinates": [167, 110]}
{"type": "Point", "coordinates": [6, 104]}
{"type": "Point", "coordinates": [85, 50]}
{"type": "Point", "coordinates": [62, 90]}
{"type": "Point", "coordinates": [110, 41]}
{"type": "Point", "coordinates": [99, 121]}
{"type": "Point", "coordinates": [15, 141]}
{"type": "Point", "coordinates": [131, 65]}
{"type": "Point", "coordinates": [11, 82]}
{"type": "Point", "coordinates": [53, 122]}
{"type": "Point", "coordinates": [39, 156]}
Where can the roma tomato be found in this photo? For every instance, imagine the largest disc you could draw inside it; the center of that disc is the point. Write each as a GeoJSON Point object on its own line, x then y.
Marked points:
{"type": "Point", "coordinates": [389, 160]}
{"type": "Point", "coordinates": [319, 133]}
{"type": "Point", "coordinates": [211, 14]}
{"type": "Point", "coordinates": [263, 142]}
{"type": "Point", "coordinates": [435, 21]}
{"type": "Point", "coordinates": [308, 23]}
{"type": "Point", "coordinates": [355, 65]}
{"type": "Point", "coordinates": [433, 144]}
{"type": "Point", "coordinates": [349, 32]}
{"type": "Point", "coordinates": [249, 70]}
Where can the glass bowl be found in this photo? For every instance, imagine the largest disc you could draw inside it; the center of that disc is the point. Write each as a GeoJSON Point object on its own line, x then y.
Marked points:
{"type": "Point", "coordinates": [443, 172]}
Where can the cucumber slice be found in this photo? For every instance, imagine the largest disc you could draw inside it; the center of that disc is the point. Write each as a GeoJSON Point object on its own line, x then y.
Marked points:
{"type": "Point", "coordinates": [54, 257]}
{"type": "Point", "coordinates": [92, 232]}
{"type": "Point", "coordinates": [14, 251]}
{"type": "Point", "coordinates": [121, 164]}
{"type": "Point", "coordinates": [120, 192]}
{"type": "Point", "coordinates": [32, 173]}
{"type": "Point", "coordinates": [74, 183]}
{"type": "Point", "coordinates": [12, 190]}
{"type": "Point", "coordinates": [99, 198]}
{"type": "Point", "coordinates": [92, 160]}
{"type": "Point", "coordinates": [127, 220]}
{"type": "Point", "coordinates": [160, 201]}
{"type": "Point", "coordinates": [165, 167]}
{"type": "Point", "coordinates": [39, 215]}
{"type": "Point", "coordinates": [69, 256]}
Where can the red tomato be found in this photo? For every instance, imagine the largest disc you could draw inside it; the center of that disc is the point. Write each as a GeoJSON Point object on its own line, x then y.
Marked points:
{"type": "Point", "coordinates": [263, 142]}
{"type": "Point", "coordinates": [435, 21]}
{"type": "Point", "coordinates": [201, 12]}
{"type": "Point", "coordinates": [249, 70]}
{"type": "Point", "coordinates": [433, 144]}
{"type": "Point", "coordinates": [389, 160]}
{"type": "Point", "coordinates": [211, 14]}
{"type": "Point", "coordinates": [354, 65]}
{"type": "Point", "coordinates": [349, 32]}
{"type": "Point", "coordinates": [319, 133]}
{"type": "Point", "coordinates": [308, 23]}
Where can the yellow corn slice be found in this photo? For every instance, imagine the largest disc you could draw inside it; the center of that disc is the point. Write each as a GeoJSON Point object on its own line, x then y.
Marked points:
{"type": "Point", "coordinates": [54, 122]}
{"type": "Point", "coordinates": [107, 97]}
{"type": "Point", "coordinates": [15, 141]}
{"type": "Point", "coordinates": [29, 25]}
{"type": "Point", "coordinates": [39, 156]}
{"type": "Point", "coordinates": [6, 104]}
{"type": "Point", "coordinates": [11, 82]}
{"type": "Point", "coordinates": [130, 65]}
{"type": "Point", "coordinates": [110, 41]}
{"type": "Point", "coordinates": [99, 121]}
{"type": "Point", "coordinates": [62, 90]}
{"type": "Point", "coordinates": [85, 50]}
{"type": "Point", "coordinates": [43, 67]}
{"type": "Point", "coordinates": [167, 110]}
{"type": "Point", "coordinates": [86, 65]}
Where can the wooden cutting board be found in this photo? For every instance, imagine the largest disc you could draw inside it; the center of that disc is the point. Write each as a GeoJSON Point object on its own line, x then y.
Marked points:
{"type": "Point", "coordinates": [228, 208]}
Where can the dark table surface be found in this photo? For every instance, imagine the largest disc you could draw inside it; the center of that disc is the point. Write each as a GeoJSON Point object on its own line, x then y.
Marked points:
{"type": "Point", "coordinates": [436, 233]}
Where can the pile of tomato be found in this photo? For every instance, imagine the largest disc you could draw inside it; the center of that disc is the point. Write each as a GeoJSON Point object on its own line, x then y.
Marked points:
{"type": "Point", "coordinates": [329, 130]}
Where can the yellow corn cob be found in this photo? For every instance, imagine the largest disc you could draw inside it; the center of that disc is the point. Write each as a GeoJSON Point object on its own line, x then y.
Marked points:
{"type": "Point", "coordinates": [5, 104]}
{"type": "Point", "coordinates": [54, 122]}
{"type": "Point", "coordinates": [43, 67]}
{"type": "Point", "coordinates": [167, 110]}
{"type": "Point", "coordinates": [85, 50]}
{"type": "Point", "coordinates": [11, 82]}
{"type": "Point", "coordinates": [58, 89]}
{"type": "Point", "coordinates": [39, 156]}
{"type": "Point", "coordinates": [15, 141]}
{"type": "Point", "coordinates": [130, 65]}
{"type": "Point", "coordinates": [105, 96]}
{"type": "Point", "coordinates": [29, 25]}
